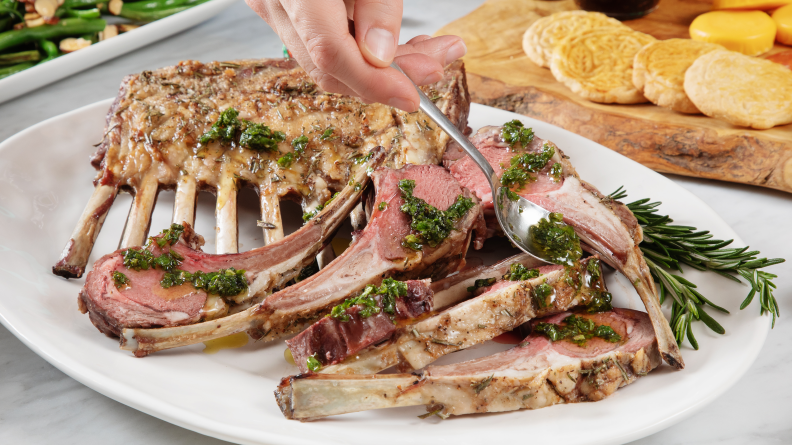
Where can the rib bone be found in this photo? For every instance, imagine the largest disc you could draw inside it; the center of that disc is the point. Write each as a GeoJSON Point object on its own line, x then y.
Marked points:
{"type": "Point", "coordinates": [271, 213]}
{"type": "Point", "coordinates": [78, 249]}
{"type": "Point", "coordinates": [607, 226]}
{"type": "Point", "coordinates": [474, 321]}
{"type": "Point", "coordinates": [370, 259]}
{"type": "Point", "coordinates": [226, 213]}
{"type": "Point", "coordinates": [184, 202]}
{"type": "Point", "coordinates": [535, 374]}
{"type": "Point", "coordinates": [139, 219]}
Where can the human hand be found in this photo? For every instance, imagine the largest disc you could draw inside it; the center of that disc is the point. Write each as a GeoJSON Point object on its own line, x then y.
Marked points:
{"type": "Point", "coordinates": [356, 61]}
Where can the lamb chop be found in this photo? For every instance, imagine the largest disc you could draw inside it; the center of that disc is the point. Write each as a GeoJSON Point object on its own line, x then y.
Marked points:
{"type": "Point", "coordinates": [141, 301]}
{"type": "Point", "coordinates": [541, 173]}
{"type": "Point", "coordinates": [610, 350]}
{"type": "Point", "coordinates": [501, 308]}
{"type": "Point", "coordinates": [175, 128]}
{"type": "Point", "coordinates": [376, 253]}
{"type": "Point", "coordinates": [376, 314]}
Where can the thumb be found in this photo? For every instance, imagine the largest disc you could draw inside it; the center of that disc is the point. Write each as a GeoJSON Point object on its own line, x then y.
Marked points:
{"type": "Point", "coordinates": [377, 25]}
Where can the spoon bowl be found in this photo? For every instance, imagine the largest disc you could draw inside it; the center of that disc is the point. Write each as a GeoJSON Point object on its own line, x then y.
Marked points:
{"type": "Point", "coordinates": [514, 216]}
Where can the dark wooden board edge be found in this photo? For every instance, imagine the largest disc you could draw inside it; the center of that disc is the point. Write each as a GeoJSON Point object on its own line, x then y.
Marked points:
{"type": "Point", "coordinates": [670, 148]}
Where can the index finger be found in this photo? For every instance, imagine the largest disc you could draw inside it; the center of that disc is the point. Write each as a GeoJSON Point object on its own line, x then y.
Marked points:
{"type": "Point", "coordinates": [322, 26]}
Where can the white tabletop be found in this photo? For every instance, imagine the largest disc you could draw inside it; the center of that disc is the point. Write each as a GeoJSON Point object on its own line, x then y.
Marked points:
{"type": "Point", "coordinates": [41, 405]}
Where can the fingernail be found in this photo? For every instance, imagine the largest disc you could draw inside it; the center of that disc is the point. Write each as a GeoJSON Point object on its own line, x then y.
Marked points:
{"type": "Point", "coordinates": [402, 104]}
{"type": "Point", "coordinates": [381, 44]}
{"type": "Point", "coordinates": [456, 51]}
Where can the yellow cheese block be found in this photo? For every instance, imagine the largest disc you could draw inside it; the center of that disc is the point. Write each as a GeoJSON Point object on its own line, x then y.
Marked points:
{"type": "Point", "coordinates": [763, 5]}
{"type": "Point", "coordinates": [783, 20]}
{"type": "Point", "coordinates": [748, 32]}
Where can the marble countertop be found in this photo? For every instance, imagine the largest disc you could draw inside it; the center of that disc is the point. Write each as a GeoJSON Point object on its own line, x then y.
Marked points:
{"type": "Point", "coordinates": [41, 405]}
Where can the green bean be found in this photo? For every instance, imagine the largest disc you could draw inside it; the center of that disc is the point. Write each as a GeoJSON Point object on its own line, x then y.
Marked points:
{"type": "Point", "coordinates": [4, 23]}
{"type": "Point", "coordinates": [149, 5]}
{"type": "Point", "coordinates": [13, 69]}
{"type": "Point", "coordinates": [69, 4]}
{"type": "Point", "coordinates": [83, 13]}
{"type": "Point", "coordinates": [64, 28]}
{"type": "Point", "coordinates": [22, 56]}
{"type": "Point", "coordinates": [10, 8]}
{"type": "Point", "coordinates": [150, 16]}
{"type": "Point", "coordinates": [50, 49]}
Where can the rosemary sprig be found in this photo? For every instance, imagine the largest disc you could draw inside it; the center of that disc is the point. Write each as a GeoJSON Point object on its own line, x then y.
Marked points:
{"type": "Point", "coordinates": [667, 246]}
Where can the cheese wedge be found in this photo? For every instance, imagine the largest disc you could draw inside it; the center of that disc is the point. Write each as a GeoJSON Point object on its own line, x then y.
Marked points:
{"type": "Point", "coordinates": [748, 32]}
{"type": "Point", "coordinates": [764, 5]}
{"type": "Point", "coordinates": [783, 21]}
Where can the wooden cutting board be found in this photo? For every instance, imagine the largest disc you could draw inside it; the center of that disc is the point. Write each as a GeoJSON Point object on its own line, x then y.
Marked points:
{"type": "Point", "coordinates": [500, 75]}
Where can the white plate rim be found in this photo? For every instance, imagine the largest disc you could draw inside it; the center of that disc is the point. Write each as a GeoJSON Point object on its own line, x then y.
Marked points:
{"type": "Point", "coordinates": [129, 396]}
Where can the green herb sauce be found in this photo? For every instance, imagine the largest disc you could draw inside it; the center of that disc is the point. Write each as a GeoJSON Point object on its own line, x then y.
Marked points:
{"type": "Point", "coordinates": [169, 236]}
{"type": "Point", "coordinates": [578, 330]}
{"type": "Point", "coordinates": [431, 225]}
{"type": "Point", "coordinates": [119, 279]}
{"type": "Point", "coordinates": [515, 134]}
{"type": "Point", "coordinates": [541, 293]}
{"type": "Point", "coordinates": [518, 272]}
{"type": "Point", "coordinates": [225, 282]}
{"type": "Point", "coordinates": [555, 171]}
{"type": "Point", "coordinates": [382, 206]}
{"type": "Point", "coordinates": [327, 134]}
{"type": "Point", "coordinates": [522, 167]}
{"type": "Point", "coordinates": [313, 364]}
{"type": "Point", "coordinates": [478, 284]}
{"type": "Point", "coordinates": [556, 241]}
{"type": "Point", "coordinates": [307, 216]}
{"type": "Point", "coordinates": [390, 289]}
{"type": "Point", "coordinates": [600, 302]}
{"type": "Point", "coordinates": [257, 137]}
{"type": "Point", "coordinates": [286, 160]}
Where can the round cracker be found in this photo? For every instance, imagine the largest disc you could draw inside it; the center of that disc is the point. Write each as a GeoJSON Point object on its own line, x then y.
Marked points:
{"type": "Point", "coordinates": [742, 90]}
{"type": "Point", "coordinates": [659, 71]}
{"type": "Point", "coordinates": [544, 34]}
{"type": "Point", "coordinates": [597, 64]}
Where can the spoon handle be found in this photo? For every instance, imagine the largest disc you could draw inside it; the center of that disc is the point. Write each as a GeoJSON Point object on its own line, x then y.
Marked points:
{"type": "Point", "coordinates": [434, 113]}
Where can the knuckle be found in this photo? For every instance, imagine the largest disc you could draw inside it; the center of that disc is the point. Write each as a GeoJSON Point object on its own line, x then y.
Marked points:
{"type": "Point", "coordinates": [323, 54]}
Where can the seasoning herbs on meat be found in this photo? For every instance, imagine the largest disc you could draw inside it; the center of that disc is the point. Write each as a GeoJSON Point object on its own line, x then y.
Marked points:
{"type": "Point", "coordinates": [578, 330]}
{"type": "Point", "coordinates": [429, 224]}
{"type": "Point", "coordinates": [515, 134]}
{"type": "Point", "coordinates": [229, 130]}
{"type": "Point", "coordinates": [390, 289]}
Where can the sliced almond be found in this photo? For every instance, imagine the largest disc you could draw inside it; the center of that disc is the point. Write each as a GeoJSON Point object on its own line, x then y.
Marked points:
{"type": "Point", "coordinates": [109, 32]}
{"type": "Point", "coordinates": [32, 16]}
{"type": "Point", "coordinates": [126, 27]}
{"type": "Point", "coordinates": [71, 44]}
{"type": "Point", "coordinates": [115, 6]}
{"type": "Point", "coordinates": [46, 8]}
{"type": "Point", "coordinates": [34, 23]}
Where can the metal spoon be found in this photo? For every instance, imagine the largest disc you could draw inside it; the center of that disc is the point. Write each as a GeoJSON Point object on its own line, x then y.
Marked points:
{"type": "Point", "coordinates": [515, 217]}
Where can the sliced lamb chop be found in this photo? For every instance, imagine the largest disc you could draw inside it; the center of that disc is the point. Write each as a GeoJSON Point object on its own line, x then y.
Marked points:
{"type": "Point", "coordinates": [153, 129]}
{"type": "Point", "coordinates": [143, 303]}
{"type": "Point", "coordinates": [534, 374]}
{"type": "Point", "coordinates": [375, 254]}
{"type": "Point", "coordinates": [500, 308]}
{"type": "Point", "coordinates": [332, 339]}
{"type": "Point", "coordinates": [608, 227]}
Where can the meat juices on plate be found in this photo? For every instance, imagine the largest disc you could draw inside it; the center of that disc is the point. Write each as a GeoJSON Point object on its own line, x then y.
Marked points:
{"type": "Point", "coordinates": [604, 225]}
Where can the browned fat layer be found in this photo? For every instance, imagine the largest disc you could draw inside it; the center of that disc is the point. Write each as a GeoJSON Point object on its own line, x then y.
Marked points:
{"type": "Point", "coordinates": [159, 115]}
